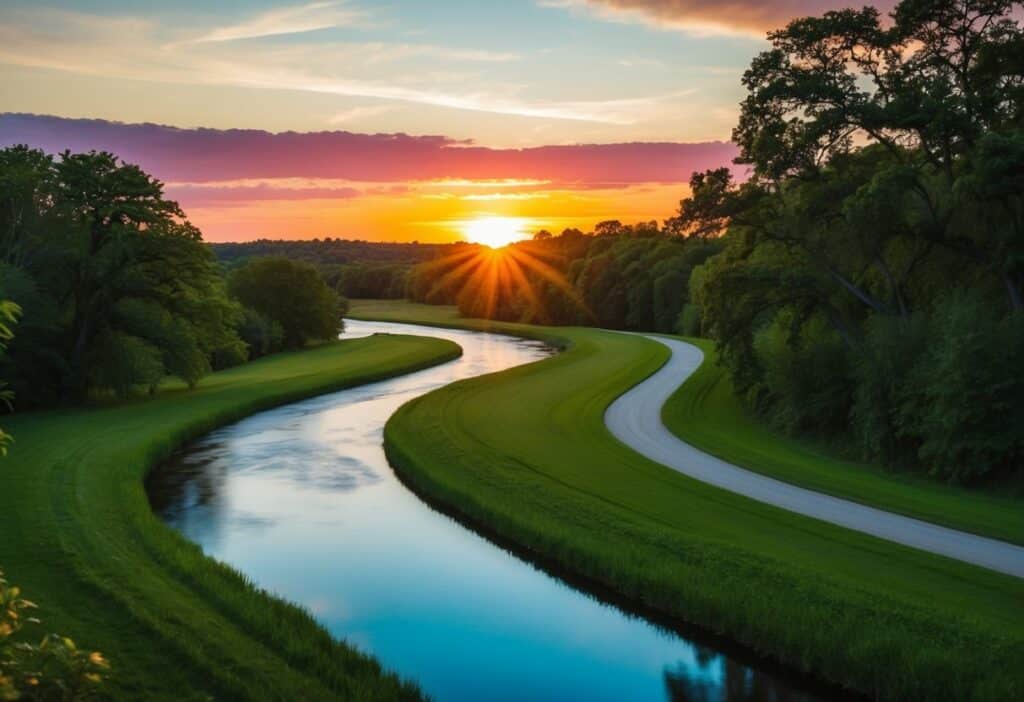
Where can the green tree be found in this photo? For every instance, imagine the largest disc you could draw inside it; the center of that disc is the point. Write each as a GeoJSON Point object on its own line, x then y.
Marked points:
{"type": "Point", "coordinates": [118, 289]}
{"type": "Point", "coordinates": [927, 89]}
{"type": "Point", "coordinates": [292, 294]}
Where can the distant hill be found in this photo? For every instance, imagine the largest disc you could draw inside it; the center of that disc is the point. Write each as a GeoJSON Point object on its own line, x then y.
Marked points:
{"type": "Point", "coordinates": [338, 251]}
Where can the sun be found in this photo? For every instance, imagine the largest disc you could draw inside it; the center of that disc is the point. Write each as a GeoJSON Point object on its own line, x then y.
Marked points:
{"type": "Point", "coordinates": [495, 232]}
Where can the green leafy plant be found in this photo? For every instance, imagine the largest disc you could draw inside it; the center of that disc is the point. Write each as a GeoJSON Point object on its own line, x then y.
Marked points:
{"type": "Point", "coordinates": [54, 669]}
{"type": "Point", "coordinates": [8, 315]}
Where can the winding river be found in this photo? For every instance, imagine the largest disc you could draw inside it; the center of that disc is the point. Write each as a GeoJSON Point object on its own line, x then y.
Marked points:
{"type": "Point", "coordinates": [302, 500]}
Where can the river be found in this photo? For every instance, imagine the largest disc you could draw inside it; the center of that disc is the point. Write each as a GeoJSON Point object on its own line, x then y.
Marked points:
{"type": "Point", "coordinates": [302, 500]}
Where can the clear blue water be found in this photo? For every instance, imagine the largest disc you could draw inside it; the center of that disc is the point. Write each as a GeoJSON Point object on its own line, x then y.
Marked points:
{"type": "Point", "coordinates": [302, 500]}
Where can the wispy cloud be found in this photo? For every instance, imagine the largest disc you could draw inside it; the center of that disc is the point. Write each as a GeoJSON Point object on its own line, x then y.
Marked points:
{"type": "Point", "coordinates": [382, 53]}
{"type": "Point", "coordinates": [359, 112]}
{"type": "Point", "coordinates": [77, 44]}
{"type": "Point", "coordinates": [296, 19]}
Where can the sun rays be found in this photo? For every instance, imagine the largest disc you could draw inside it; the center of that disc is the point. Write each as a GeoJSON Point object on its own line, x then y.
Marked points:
{"type": "Point", "coordinates": [510, 282]}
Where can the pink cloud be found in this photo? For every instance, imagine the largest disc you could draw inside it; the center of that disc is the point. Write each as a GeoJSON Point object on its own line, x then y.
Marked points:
{"type": "Point", "coordinates": [199, 195]}
{"type": "Point", "coordinates": [198, 156]}
{"type": "Point", "coordinates": [741, 16]}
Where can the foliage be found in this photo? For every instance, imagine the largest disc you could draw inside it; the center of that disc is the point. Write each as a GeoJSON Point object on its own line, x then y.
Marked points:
{"type": "Point", "coordinates": [261, 335]}
{"type": "Point", "coordinates": [367, 280]}
{"type": "Point", "coordinates": [961, 401]}
{"type": "Point", "coordinates": [804, 370]}
{"type": "Point", "coordinates": [8, 315]}
{"type": "Point", "coordinates": [54, 669]}
{"type": "Point", "coordinates": [292, 295]}
{"type": "Point", "coordinates": [117, 288]}
{"type": "Point", "coordinates": [330, 251]}
{"type": "Point", "coordinates": [885, 163]}
{"type": "Point", "coordinates": [621, 277]}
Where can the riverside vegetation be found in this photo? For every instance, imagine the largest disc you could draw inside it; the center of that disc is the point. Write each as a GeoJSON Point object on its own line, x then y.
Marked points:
{"type": "Point", "coordinates": [173, 623]}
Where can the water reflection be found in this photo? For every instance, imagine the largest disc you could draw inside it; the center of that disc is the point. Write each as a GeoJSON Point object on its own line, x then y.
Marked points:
{"type": "Point", "coordinates": [721, 678]}
{"type": "Point", "coordinates": [302, 500]}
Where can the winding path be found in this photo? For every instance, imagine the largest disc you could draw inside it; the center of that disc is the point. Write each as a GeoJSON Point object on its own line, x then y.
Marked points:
{"type": "Point", "coordinates": [635, 419]}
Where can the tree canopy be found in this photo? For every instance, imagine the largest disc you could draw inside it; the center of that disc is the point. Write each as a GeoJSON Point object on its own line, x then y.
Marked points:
{"type": "Point", "coordinates": [292, 295]}
{"type": "Point", "coordinates": [875, 253]}
{"type": "Point", "coordinates": [116, 287]}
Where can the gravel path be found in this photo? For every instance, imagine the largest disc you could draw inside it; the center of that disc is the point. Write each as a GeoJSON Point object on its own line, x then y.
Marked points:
{"type": "Point", "coordinates": [635, 419]}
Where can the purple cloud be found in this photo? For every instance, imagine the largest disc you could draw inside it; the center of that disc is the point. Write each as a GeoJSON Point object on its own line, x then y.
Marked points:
{"type": "Point", "coordinates": [197, 156]}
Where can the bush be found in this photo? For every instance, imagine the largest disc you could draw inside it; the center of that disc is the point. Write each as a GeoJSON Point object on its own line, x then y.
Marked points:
{"type": "Point", "coordinates": [260, 334]}
{"type": "Point", "coordinates": [54, 669]}
{"type": "Point", "coordinates": [122, 363]}
{"type": "Point", "coordinates": [688, 323]}
{"type": "Point", "coordinates": [806, 379]}
{"type": "Point", "coordinates": [964, 398]}
{"type": "Point", "coordinates": [881, 369]}
{"type": "Point", "coordinates": [8, 315]}
{"type": "Point", "coordinates": [291, 294]}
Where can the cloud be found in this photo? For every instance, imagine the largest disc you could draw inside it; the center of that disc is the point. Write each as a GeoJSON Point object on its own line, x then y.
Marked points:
{"type": "Point", "coordinates": [76, 43]}
{"type": "Point", "coordinates": [359, 112]}
{"type": "Point", "coordinates": [198, 157]}
{"type": "Point", "coordinates": [704, 17]}
{"type": "Point", "coordinates": [296, 19]}
{"type": "Point", "coordinates": [207, 194]}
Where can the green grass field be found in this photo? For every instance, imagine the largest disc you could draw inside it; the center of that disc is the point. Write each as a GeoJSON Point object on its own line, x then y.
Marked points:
{"type": "Point", "coordinates": [706, 413]}
{"type": "Point", "coordinates": [77, 534]}
{"type": "Point", "coordinates": [525, 454]}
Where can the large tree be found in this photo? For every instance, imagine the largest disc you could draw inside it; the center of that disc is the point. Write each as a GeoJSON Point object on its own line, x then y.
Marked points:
{"type": "Point", "coordinates": [929, 85]}
{"type": "Point", "coordinates": [292, 294]}
{"type": "Point", "coordinates": [884, 206]}
{"type": "Point", "coordinates": [118, 289]}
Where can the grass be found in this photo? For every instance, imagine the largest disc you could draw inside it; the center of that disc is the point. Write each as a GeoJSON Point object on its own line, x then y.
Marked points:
{"type": "Point", "coordinates": [77, 534]}
{"type": "Point", "coordinates": [524, 453]}
{"type": "Point", "coordinates": [706, 413]}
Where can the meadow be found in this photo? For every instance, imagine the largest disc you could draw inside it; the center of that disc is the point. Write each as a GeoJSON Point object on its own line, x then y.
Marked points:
{"type": "Point", "coordinates": [79, 537]}
{"type": "Point", "coordinates": [875, 617]}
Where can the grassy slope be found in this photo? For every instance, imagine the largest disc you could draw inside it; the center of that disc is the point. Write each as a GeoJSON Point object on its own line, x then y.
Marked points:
{"type": "Point", "coordinates": [881, 618]}
{"type": "Point", "coordinates": [79, 537]}
{"type": "Point", "coordinates": [706, 413]}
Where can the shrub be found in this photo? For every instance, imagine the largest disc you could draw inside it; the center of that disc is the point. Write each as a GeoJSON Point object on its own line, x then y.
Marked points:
{"type": "Point", "coordinates": [292, 294]}
{"type": "Point", "coordinates": [881, 369]}
{"type": "Point", "coordinates": [54, 669]}
{"type": "Point", "coordinates": [806, 378]}
{"type": "Point", "coordinates": [964, 398]}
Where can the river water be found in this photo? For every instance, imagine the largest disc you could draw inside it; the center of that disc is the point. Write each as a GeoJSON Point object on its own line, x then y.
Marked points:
{"type": "Point", "coordinates": [302, 500]}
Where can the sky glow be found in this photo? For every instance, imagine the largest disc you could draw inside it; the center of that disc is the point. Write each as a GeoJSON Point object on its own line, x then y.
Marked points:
{"type": "Point", "coordinates": [393, 120]}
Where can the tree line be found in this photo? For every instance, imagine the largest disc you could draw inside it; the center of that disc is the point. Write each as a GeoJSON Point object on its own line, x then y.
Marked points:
{"type": "Point", "coordinates": [109, 289]}
{"type": "Point", "coordinates": [617, 276]}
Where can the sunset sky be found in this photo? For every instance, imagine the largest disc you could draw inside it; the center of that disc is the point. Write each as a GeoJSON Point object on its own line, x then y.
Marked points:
{"type": "Point", "coordinates": [390, 120]}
